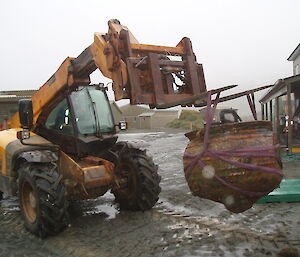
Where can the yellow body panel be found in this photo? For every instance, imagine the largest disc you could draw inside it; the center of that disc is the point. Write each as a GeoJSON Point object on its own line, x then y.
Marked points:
{"type": "Point", "coordinates": [6, 137]}
{"type": "Point", "coordinates": [2, 161]}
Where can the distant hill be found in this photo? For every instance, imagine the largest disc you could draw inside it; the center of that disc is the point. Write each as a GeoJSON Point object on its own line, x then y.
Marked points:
{"type": "Point", "coordinates": [188, 119]}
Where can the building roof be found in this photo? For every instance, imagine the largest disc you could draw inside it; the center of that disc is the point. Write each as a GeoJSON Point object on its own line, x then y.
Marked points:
{"type": "Point", "coordinates": [166, 110]}
{"type": "Point", "coordinates": [294, 54]}
{"type": "Point", "coordinates": [113, 103]}
{"type": "Point", "coordinates": [133, 110]}
{"type": "Point", "coordinates": [280, 88]}
{"type": "Point", "coordinates": [147, 114]}
{"type": "Point", "coordinates": [18, 93]}
{"type": "Point", "coordinates": [15, 96]}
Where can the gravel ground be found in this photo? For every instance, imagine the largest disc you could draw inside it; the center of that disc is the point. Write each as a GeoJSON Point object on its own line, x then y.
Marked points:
{"type": "Point", "coordinates": [179, 225]}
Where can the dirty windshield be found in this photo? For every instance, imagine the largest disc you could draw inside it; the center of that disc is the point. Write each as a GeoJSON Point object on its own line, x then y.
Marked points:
{"type": "Point", "coordinates": [92, 111]}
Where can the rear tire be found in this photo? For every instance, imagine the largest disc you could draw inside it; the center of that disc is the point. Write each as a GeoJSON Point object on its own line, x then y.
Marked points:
{"type": "Point", "coordinates": [42, 199]}
{"type": "Point", "coordinates": [142, 188]}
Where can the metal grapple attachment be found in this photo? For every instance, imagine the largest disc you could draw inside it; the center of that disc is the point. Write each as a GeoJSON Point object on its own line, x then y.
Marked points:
{"type": "Point", "coordinates": [158, 79]}
{"type": "Point", "coordinates": [160, 76]}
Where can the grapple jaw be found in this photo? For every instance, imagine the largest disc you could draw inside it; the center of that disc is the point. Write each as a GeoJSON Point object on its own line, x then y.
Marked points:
{"type": "Point", "coordinates": [160, 76]}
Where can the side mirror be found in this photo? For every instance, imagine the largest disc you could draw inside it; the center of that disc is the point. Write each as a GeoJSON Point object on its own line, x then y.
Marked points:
{"type": "Point", "coordinates": [26, 113]}
{"type": "Point", "coordinates": [123, 125]}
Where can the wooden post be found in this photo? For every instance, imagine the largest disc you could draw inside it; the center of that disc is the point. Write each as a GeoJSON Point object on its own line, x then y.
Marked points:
{"type": "Point", "coordinates": [271, 110]}
{"type": "Point", "coordinates": [262, 111]}
{"type": "Point", "coordinates": [290, 126]}
{"type": "Point", "coordinates": [277, 121]}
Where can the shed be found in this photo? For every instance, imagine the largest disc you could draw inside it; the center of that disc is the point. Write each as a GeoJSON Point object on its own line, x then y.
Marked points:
{"type": "Point", "coordinates": [281, 105]}
{"type": "Point", "coordinates": [145, 120]}
{"type": "Point", "coordinates": [142, 117]}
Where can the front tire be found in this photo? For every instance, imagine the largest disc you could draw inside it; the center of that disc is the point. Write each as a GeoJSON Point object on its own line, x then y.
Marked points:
{"type": "Point", "coordinates": [141, 189]}
{"type": "Point", "coordinates": [42, 199]}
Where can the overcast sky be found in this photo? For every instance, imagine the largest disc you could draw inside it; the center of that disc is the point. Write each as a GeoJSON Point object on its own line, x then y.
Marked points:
{"type": "Point", "coordinates": [238, 41]}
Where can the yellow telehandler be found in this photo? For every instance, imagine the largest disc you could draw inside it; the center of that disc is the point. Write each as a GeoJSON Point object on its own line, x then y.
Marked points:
{"type": "Point", "coordinates": [62, 143]}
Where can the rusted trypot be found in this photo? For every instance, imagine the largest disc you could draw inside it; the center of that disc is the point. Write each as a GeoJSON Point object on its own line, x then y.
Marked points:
{"type": "Point", "coordinates": [236, 187]}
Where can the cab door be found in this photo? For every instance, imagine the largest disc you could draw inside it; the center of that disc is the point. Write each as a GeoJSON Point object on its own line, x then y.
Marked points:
{"type": "Point", "coordinates": [59, 127]}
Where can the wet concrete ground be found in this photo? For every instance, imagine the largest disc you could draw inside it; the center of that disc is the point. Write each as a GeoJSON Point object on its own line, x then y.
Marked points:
{"type": "Point", "coordinates": [179, 225]}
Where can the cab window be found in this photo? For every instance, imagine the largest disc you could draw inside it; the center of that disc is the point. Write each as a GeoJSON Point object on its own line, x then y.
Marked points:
{"type": "Point", "coordinates": [59, 119]}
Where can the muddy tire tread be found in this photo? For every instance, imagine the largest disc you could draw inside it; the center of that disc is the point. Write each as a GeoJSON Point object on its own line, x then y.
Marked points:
{"type": "Point", "coordinates": [53, 216]}
{"type": "Point", "coordinates": [148, 188]}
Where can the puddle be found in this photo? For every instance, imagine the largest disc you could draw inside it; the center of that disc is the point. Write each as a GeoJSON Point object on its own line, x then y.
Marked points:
{"type": "Point", "coordinates": [109, 210]}
{"type": "Point", "coordinates": [99, 229]}
{"type": "Point", "coordinates": [10, 204]}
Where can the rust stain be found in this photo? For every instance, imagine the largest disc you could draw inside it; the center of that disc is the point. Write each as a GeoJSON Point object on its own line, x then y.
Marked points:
{"type": "Point", "coordinates": [87, 178]}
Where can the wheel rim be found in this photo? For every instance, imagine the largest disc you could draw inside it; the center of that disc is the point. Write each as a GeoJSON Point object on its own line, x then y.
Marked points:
{"type": "Point", "coordinates": [29, 202]}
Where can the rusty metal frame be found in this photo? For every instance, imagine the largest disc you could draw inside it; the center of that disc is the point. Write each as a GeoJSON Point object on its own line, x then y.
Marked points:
{"type": "Point", "coordinates": [201, 102]}
{"type": "Point", "coordinates": [150, 73]}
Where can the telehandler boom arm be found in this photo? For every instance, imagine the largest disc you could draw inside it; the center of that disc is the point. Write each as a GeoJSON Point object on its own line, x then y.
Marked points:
{"type": "Point", "coordinates": [145, 74]}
